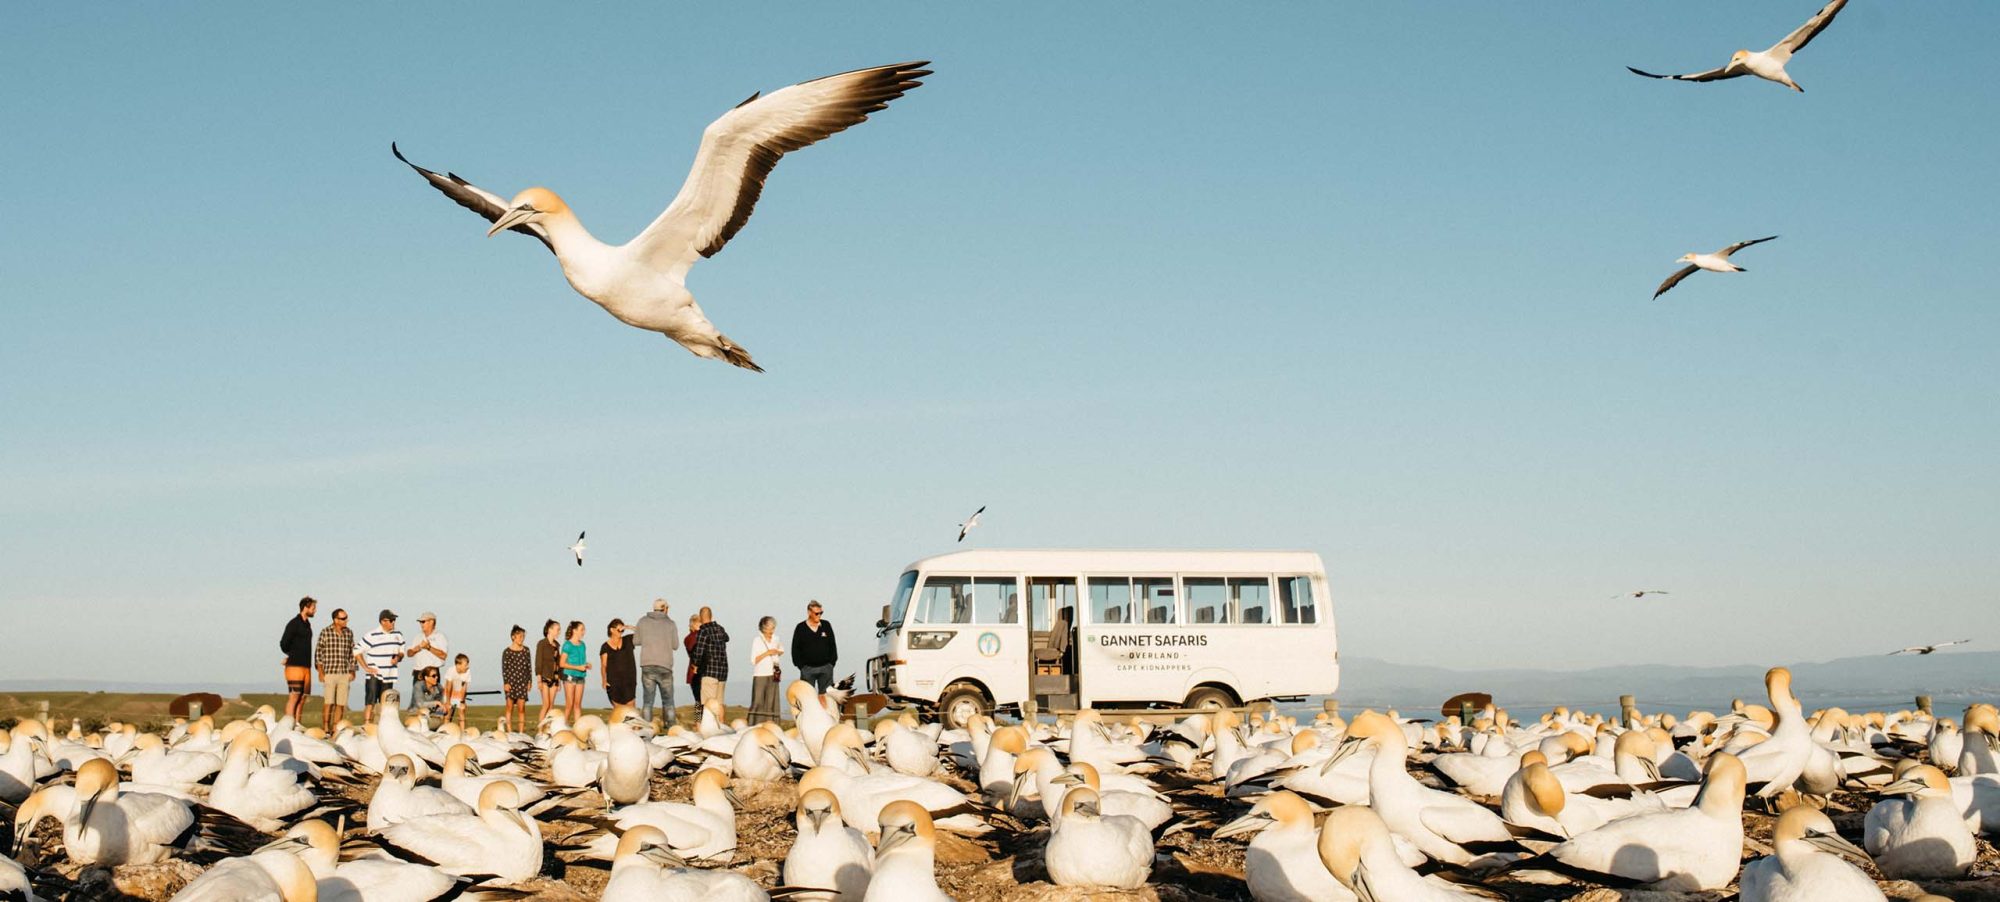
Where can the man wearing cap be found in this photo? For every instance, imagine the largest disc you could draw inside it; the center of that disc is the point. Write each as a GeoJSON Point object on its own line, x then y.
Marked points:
{"type": "Point", "coordinates": [813, 648]}
{"type": "Point", "coordinates": [427, 651]}
{"type": "Point", "coordinates": [657, 635]}
{"type": "Point", "coordinates": [378, 653]}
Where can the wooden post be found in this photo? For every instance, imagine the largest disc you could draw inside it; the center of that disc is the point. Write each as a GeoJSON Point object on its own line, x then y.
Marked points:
{"type": "Point", "coordinates": [1924, 703]}
{"type": "Point", "coordinates": [1028, 711]}
{"type": "Point", "coordinates": [1465, 712]}
{"type": "Point", "coordinates": [1331, 706]}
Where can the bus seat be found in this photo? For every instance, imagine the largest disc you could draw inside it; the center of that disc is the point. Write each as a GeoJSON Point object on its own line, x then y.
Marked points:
{"type": "Point", "coordinates": [1058, 640]}
{"type": "Point", "coordinates": [1253, 615]}
{"type": "Point", "coordinates": [1158, 615]}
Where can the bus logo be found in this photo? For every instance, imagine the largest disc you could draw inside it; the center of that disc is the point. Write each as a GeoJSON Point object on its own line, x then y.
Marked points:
{"type": "Point", "coordinates": [989, 644]}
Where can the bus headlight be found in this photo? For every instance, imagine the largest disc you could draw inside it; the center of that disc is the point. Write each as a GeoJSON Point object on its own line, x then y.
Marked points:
{"type": "Point", "coordinates": [929, 640]}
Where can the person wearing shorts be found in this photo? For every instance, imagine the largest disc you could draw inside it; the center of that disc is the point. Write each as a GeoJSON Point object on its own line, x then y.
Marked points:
{"type": "Point", "coordinates": [378, 653]}
{"type": "Point", "coordinates": [297, 644]}
{"type": "Point", "coordinates": [548, 667]}
{"type": "Point", "coordinates": [333, 657]}
{"type": "Point", "coordinates": [575, 666]}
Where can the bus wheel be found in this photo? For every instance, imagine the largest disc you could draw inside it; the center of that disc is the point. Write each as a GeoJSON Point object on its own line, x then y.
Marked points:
{"type": "Point", "coordinates": [959, 703]}
{"type": "Point", "coordinates": [1210, 698]}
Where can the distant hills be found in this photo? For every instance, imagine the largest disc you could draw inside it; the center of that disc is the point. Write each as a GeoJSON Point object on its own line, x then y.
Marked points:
{"type": "Point", "coordinates": [1874, 681]}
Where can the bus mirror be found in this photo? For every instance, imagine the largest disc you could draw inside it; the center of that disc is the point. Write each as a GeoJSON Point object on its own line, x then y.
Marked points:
{"type": "Point", "coordinates": [883, 623]}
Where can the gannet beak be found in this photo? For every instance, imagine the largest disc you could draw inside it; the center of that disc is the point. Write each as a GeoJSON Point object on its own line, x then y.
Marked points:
{"type": "Point", "coordinates": [1014, 797]}
{"type": "Point", "coordinates": [287, 842]}
{"type": "Point", "coordinates": [1902, 788]}
{"type": "Point", "coordinates": [664, 856]}
{"type": "Point", "coordinates": [1249, 823]}
{"type": "Point", "coordinates": [730, 794]}
{"type": "Point", "coordinates": [1067, 780]}
{"type": "Point", "coordinates": [1828, 842]}
{"type": "Point", "coordinates": [510, 219]}
{"type": "Point", "coordinates": [817, 816]}
{"type": "Point", "coordinates": [893, 837]}
{"type": "Point", "coordinates": [1341, 752]}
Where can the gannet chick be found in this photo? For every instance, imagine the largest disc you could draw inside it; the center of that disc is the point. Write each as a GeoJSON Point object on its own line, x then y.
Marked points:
{"type": "Point", "coordinates": [905, 857]}
{"type": "Point", "coordinates": [1089, 848]}
{"type": "Point", "coordinates": [1930, 839]}
{"type": "Point", "coordinates": [1805, 864]}
{"type": "Point", "coordinates": [827, 852]}
{"type": "Point", "coordinates": [1354, 846]}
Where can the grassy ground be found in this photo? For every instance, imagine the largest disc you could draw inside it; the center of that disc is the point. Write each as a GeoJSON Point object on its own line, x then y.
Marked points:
{"type": "Point", "coordinates": [148, 710]}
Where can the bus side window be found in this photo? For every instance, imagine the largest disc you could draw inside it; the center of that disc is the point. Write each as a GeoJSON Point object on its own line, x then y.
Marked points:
{"type": "Point", "coordinates": [1207, 599]}
{"type": "Point", "coordinates": [1156, 599]}
{"type": "Point", "coordinates": [945, 600]}
{"type": "Point", "coordinates": [1109, 596]}
{"type": "Point", "coordinates": [1253, 599]}
{"type": "Point", "coordinates": [996, 600]}
{"type": "Point", "coordinates": [1295, 595]}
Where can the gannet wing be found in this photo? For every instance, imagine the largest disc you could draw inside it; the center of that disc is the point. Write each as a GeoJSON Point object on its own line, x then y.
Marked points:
{"type": "Point", "coordinates": [1741, 245]}
{"type": "Point", "coordinates": [472, 197]}
{"type": "Point", "coordinates": [1798, 39]}
{"type": "Point", "coordinates": [1675, 279]}
{"type": "Point", "coordinates": [1716, 74]}
{"type": "Point", "coordinates": [739, 150]}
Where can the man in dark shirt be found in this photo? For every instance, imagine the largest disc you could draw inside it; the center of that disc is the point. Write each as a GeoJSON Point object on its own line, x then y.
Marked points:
{"type": "Point", "coordinates": [813, 648]}
{"type": "Point", "coordinates": [711, 657]}
{"type": "Point", "coordinates": [297, 645]}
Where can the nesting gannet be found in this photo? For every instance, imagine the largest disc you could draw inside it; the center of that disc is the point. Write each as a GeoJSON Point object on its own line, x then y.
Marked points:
{"type": "Point", "coordinates": [276, 875]}
{"type": "Point", "coordinates": [1766, 64]}
{"type": "Point", "coordinates": [1282, 863]}
{"type": "Point", "coordinates": [465, 779]}
{"type": "Point", "coordinates": [578, 548]}
{"type": "Point", "coordinates": [14, 883]}
{"type": "Point", "coordinates": [1928, 649]}
{"type": "Point", "coordinates": [646, 869]}
{"type": "Point", "coordinates": [704, 829]}
{"type": "Point", "coordinates": [906, 749]}
{"type": "Point", "coordinates": [760, 755]}
{"type": "Point", "coordinates": [826, 852]}
{"type": "Point", "coordinates": [375, 877]}
{"type": "Point", "coordinates": [398, 798]}
{"type": "Point", "coordinates": [499, 840]}
{"type": "Point", "coordinates": [151, 762]}
{"type": "Point", "coordinates": [1716, 262]}
{"type": "Point", "coordinates": [1805, 864]}
{"type": "Point", "coordinates": [110, 827]}
{"type": "Point", "coordinates": [1681, 849]}
{"type": "Point", "coordinates": [643, 282]}
{"type": "Point", "coordinates": [1437, 823]}
{"type": "Point", "coordinates": [905, 856]}
{"type": "Point", "coordinates": [1925, 836]}
{"type": "Point", "coordinates": [1356, 847]}
{"type": "Point", "coordinates": [1090, 848]}
{"type": "Point", "coordinates": [252, 791]}
{"type": "Point", "coordinates": [970, 522]}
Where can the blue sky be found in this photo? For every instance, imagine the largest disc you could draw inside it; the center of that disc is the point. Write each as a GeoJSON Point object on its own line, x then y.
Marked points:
{"type": "Point", "coordinates": [1367, 280]}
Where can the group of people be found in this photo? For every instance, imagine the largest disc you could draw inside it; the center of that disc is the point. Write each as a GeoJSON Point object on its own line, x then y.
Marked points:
{"type": "Point", "coordinates": [633, 659]}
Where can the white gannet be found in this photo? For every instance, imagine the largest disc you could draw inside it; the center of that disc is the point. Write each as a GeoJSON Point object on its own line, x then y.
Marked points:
{"type": "Point", "coordinates": [1766, 64]}
{"type": "Point", "coordinates": [1123, 794]}
{"type": "Point", "coordinates": [905, 856]}
{"type": "Point", "coordinates": [1979, 741]}
{"type": "Point", "coordinates": [1356, 848]}
{"type": "Point", "coordinates": [251, 791]}
{"type": "Point", "coordinates": [111, 828]}
{"type": "Point", "coordinates": [465, 779]}
{"type": "Point", "coordinates": [1805, 864]}
{"type": "Point", "coordinates": [570, 764]}
{"type": "Point", "coordinates": [1535, 799]}
{"type": "Point", "coordinates": [398, 798]}
{"type": "Point", "coordinates": [276, 875]}
{"type": "Point", "coordinates": [14, 883]}
{"type": "Point", "coordinates": [1282, 863]}
{"type": "Point", "coordinates": [826, 852]}
{"type": "Point", "coordinates": [1716, 262]}
{"type": "Point", "coordinates": [1928, 649]}
{"type": "Point", "coordinates": [1923, 837]}
{"type": "Point", "coordinates": [1087, 847]}
{"type": "Point", "coordinates": [578, 548]}
{"type": "Point", "coordinates": [1437, 823]}
{"type": "Point", "coordinates": [1641, 593]}
{"type": "Point", "coordinates": [704, 829]}
{"type": "Point", "coordinates": [1681, 849]}
{"type": "Point", "coordinates": [499, 840]}
{"type": "Point", "coordinates": [760, 755]}
{"type": "Point", "coordinates": [151, 762]}
{"type": "Point", "coordinates": [645, 869]}
{"type": "Point", "coordinates": [970, 522]}
{"type": "Point", "coordinates": [376, 877]}
{"type": "Point", "coordinates": [907, 749]}
{"type": "Point", "coordinates": [642, 283]}
{"type": "Point", "coordinates": [627, 765]}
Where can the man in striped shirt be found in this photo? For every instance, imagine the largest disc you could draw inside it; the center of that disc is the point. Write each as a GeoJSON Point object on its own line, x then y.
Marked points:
{"type": "Point", "coordinates": [378, 653]}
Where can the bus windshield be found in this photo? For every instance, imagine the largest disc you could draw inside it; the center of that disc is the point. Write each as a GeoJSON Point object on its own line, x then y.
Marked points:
{"type": "Point", "coordinates": [901, 604]}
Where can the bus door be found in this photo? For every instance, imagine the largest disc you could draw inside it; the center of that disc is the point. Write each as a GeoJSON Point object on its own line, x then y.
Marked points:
{"type": "Point", "coordinates": [1052, 618]}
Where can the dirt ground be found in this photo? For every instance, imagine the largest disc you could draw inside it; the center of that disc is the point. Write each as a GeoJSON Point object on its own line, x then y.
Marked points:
{"type": "Point", "coordinates": [1006, 864]}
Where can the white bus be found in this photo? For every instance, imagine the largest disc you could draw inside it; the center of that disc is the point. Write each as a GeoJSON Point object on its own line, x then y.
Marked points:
{"type": "Point", "coordinates": [1106, 629]}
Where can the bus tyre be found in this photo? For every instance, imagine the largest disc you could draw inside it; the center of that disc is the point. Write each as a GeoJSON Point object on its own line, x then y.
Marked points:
{"type": "Point", "coordinates": [1210, 698]}
{"type": "Point", "coordinates": [959, 703]}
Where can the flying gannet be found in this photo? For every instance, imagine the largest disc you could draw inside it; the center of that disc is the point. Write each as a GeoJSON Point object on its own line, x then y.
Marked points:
{"type": "Point", "coordinates": [1928, 649]}
{"type": "Point", "coordinates": [970, 522]}
{"type": "Point", "coordinates": [578, 548]}
{"type": "Point", "coordinates": [1766, 64]}
{"type": "Point", "coordinates": [1642, 593]}
{"type": "Point", "coordinates": [642, 282]}
{"type": "Point", "coordinates": [1716, 262]}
